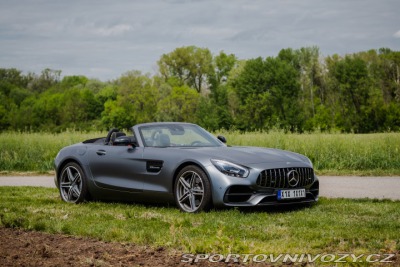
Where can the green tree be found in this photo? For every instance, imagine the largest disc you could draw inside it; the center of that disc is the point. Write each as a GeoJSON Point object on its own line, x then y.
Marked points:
{"type": "Point", "coordinates": [268, 91]}
{"type": "Point", "coordinates": [190, 65]}
{"type": "Point", "coordinates": [73, 82]}
{"type": "Point", "coordinates": [207, 114]}
{"type": "Point", "coordinates": [47, 79]}
{"type": "Point", "coordinates": [214, 110]}
{"type": "Point", "coordinates": [223, 64]}
{"type": "Point", "coordinates": [4, 122]}
{"type": "Point", "coordinates": [14, 77]}
{"type": "Point", "coordinates": [180, 105]}
{"type": "Point", "coordinates": [390, 74]}
{"type": "Point", "coordinates": [79, 108]}
{"type": "Point", "coordinates": [136, 101]}
{"type": "Point", "coordinates": [352, 83]}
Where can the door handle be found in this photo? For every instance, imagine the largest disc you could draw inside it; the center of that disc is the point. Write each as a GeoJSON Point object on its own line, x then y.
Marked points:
{"type": "Point", "coordinates": [101, 152]}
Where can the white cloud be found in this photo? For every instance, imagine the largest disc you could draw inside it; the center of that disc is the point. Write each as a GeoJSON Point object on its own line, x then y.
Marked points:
{"type": "Point", "coordinates": [111, 31]}
{"type": "Point", "coordinates": [102, 39]}
{"type": "Point", "coordinates": [99, 29]}
{"type": "Point", "coordinates": [220, 33]}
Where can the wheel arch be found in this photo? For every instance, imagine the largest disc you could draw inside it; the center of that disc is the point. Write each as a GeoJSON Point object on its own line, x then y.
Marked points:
{"type": "Point", "coordinates": [62, 165]}
{"type": "Point", "coordinates": [189, 163]}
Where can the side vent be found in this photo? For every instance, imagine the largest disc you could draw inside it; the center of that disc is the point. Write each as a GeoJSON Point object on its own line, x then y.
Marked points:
{"type": "Point", "coordinates": [154, 165]}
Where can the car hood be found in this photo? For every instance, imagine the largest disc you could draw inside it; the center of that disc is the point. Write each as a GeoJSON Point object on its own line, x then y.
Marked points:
{"type": "Point", "coordinates": [251, 155]}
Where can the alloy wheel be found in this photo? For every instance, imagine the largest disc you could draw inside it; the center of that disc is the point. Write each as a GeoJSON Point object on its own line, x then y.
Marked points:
{"type": "Point", "coordinates": [190, 191]}
{"type": "Point", "coordinates": [71, 184]}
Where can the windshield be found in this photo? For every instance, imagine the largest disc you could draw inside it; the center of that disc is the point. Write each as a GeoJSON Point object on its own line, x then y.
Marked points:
{"type": "Point", "coordinates": [177, 135]}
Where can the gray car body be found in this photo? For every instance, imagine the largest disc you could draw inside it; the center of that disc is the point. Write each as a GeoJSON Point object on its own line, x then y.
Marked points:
{"type": "Point", "coordinates": [148, 173]}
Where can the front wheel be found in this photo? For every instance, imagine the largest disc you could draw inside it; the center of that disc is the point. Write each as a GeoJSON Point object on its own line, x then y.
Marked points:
{"type": "Point", "coordinates": [192, 190]}
{"type": "Point", "coordinates": [73, 186]}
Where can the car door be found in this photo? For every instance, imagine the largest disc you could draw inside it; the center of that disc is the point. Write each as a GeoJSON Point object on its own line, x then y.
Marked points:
{"type": "Point", "coordinates": [117, 167]}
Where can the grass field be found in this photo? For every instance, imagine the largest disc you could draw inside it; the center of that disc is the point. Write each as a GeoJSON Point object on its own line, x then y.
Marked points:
{"type": "Point", "coordinates": [368, 154]}
{"type": "Point", "coordinates": [331, 226]}
{"type": "Point", "coordinates": [358, 154]}
{"type": "Point", "coordinates": [35, 152]}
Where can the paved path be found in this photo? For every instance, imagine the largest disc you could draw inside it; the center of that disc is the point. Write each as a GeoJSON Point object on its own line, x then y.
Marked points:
{"type": "Point", "coordinates": [330, 186]}
{"type": "Point", "coordinates": [360, 187]}
{"type": "Point", "coordinates": [44, 181]}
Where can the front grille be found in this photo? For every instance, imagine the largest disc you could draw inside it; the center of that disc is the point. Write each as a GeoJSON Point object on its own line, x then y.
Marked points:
{"type": "Point", "coordinates": [278, 178]}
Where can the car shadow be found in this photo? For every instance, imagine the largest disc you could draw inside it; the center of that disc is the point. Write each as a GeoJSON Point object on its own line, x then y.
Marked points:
{"type": "Point", "coordinates": [276, 209]}
{"type": "Point", "coordinates": [244, 210]}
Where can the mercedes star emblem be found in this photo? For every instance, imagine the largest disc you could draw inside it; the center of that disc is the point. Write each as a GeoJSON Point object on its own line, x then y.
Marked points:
{"type": "Point", "coordinates": [293, 178]}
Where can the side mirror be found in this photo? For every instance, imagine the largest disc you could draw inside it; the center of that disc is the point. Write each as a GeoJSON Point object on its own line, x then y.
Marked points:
{"type": "Point", "coordinates": [124, 141]}
{"type": "Point", "coordinates": [222, 139]}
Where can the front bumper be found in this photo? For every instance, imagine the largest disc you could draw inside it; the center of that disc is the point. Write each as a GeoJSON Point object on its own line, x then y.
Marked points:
{"type": "Point", "coordinates": [247, 196]}
{"type": "Point", "coordinates": [246, 192]}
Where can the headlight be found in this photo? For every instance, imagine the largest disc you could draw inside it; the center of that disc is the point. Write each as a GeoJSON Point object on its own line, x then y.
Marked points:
{"type": "Point", "coordinates": [230, 168]}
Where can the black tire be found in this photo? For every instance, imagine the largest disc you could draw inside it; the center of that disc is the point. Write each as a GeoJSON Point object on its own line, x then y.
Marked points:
{"type": "Point", "coordinates": [73, 184]}
{"type": "Point", "coordinates": [192, 190]}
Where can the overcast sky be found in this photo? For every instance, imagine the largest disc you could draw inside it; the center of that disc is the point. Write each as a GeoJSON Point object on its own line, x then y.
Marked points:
{"type": "Point", "coordinates": [104, 39]}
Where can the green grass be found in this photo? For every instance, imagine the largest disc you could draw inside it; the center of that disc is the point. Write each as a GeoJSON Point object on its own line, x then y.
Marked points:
{"type": "Point", "coordinates": [35, 152]}
{"type": "Point", "coordinates": [358, 154]}
{"type": "Point", "coordinates": [354, 154]}
{"type": "Point", "coordinates": [332, 225]}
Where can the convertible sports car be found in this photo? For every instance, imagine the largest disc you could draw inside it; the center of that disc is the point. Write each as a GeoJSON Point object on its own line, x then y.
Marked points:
{"type": "Point", "coordinates": [170, 162]}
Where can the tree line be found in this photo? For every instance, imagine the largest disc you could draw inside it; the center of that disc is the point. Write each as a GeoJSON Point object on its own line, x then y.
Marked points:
{"type": "Point", "coordinates": [298, 90]}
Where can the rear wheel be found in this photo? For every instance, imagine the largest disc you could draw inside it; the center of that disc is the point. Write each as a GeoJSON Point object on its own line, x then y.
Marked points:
{"type": "Point", "coordinates": [192, 190]}
{"type": "Point", "coordinates": [73, 187]}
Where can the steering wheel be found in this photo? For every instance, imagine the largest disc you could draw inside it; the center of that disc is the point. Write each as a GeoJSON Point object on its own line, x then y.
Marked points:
{"type": "Point", "coordinates": [196, 143]}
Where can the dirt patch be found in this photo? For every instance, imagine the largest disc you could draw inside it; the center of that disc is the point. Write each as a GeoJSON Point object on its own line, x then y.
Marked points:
{"type": "Point", "coordinates": [26, 248]}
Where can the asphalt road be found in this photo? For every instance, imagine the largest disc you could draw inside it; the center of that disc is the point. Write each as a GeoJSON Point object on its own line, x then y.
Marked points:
{"type": "Point", "coordinates": [330, 186]}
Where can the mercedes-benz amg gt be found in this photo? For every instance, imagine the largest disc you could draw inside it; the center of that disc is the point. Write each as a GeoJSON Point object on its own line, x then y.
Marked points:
{"type": "Point", "coordinates": [171, 162]}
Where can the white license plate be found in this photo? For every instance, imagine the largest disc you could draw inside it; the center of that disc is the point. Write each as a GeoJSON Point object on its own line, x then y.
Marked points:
{"type": "Point", "coordinates": [290, 194]}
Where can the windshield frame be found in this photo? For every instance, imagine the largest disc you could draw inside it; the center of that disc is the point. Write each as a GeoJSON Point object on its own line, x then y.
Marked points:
{"type": "Point", "coordinates": [212, 140]}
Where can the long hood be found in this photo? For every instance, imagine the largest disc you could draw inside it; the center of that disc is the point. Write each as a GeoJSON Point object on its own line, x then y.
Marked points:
{"type": "Point", "coordinates": [251, 155]}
